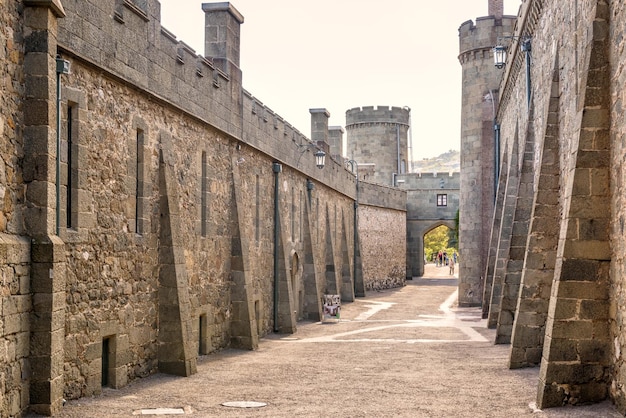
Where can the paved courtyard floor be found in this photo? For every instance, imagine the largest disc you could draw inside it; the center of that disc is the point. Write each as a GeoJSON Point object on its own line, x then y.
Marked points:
{"type": "Point", "coordinates": [407, 352]}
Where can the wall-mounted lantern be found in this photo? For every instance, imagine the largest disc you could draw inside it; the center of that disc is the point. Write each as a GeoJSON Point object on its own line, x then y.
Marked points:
{"type": "Point", "coordinates": [500, 56]}
{"type": "Point", "coordinates": [320, 156]}
{"type": "Point", "coordinates": [320, 159]}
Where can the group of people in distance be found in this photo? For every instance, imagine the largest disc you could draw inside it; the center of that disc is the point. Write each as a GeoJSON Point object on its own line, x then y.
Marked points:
{"type": "Point", "coordinates": [442, 259]}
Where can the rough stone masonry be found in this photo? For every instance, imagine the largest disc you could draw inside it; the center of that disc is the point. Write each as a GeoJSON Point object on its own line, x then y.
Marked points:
{"type": "Point", "coordinates": [554, 279]}
{"type": "Point", "coordinates": [189, 218]}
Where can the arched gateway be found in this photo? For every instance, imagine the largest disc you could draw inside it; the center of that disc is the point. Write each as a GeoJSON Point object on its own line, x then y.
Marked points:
{"type": "Point", "coordinates": [432, 200]}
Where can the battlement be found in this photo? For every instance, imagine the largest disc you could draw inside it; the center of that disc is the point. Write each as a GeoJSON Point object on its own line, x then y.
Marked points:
{"type": "Point", "coordinates": [444, 181]}
{"type": "Point", "coordinates": [484, 34]}
{"type": "Point", "coordinates": [126, 40]}
{"type": "Point", "coordinates": [377, 114]}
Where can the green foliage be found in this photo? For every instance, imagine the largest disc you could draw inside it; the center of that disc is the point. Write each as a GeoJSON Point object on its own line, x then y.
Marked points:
{"type": "Point", "coordinates": [436, 240]}
{"type": "Point", "coordinates": [453, 234]}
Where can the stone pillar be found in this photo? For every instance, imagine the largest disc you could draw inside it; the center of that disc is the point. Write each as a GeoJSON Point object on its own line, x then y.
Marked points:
{"type": "Point", "coordinates": [579, 348]}
{"type": "Point", "coordinates": [222, 35]}
{"type": "Point", "coordinates": [377, 137]}
{"type": "Point", "coordinates": [319, 125]}
{"type": "Point", "coordinates": [177, 346]}
{"type": "Point", "coordinates": [496, 8]}
{"type": "Point", "coordinates": [312, 308]}
{"type": "Point", "coordinates": [243, 328]}
{"type": "Point", "coordinates": [519, 238]}
{"type": "Point", "coordinates": [335, 141]}
{"type": "Point", "coordinates": [48, 256]}
{"type": "Point", "coordinates": [481, 81]}
{"type": "Point", "coordinates": [504, 239]}
{"type": "Point", "coordinates": [538, 271]}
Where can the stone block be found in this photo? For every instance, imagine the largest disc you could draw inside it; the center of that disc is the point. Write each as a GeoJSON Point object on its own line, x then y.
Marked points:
{"type": "Point", "coordinates": [48, 302]}
{"type": "Point", "coordinates": [93, 385]}
{"type": "Point", "coordinates": [47, 321]}
{"type": "Point", "coordinates": [565, 309]}
{"type": "Point", "coordinates": [93, 351]}
{"type": "Point", "coordinates": [563, 350]}
{"type": "Point", "coordinates": [41, 367]}
{"type": "Point", "coordinates": [582, 290]}
{"type": "Point", "coordinates": [572, 329]}
{"type": "Point", "coordinates": [16, 323]}
{"type": "Point", "coordinates": [594, 309]}
{"type": "Point", "coordinates": [120, 377]}
{"type": "Point", "coordinates": [41, 343]}
{"type": "Point", "coordinates": [550, 395]}
{"type": "Point", "coordinates": [168, 276]}
{"type": "Point", "coordinates": [22, 345]}
{"type": "Point", "coordinates": [595, 351]}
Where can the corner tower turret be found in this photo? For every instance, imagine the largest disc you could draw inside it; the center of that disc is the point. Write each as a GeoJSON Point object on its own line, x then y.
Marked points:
{"type": "Point", "coordinates": [479, 154]}
{"type": "Point", "coordinates": [377, 141]}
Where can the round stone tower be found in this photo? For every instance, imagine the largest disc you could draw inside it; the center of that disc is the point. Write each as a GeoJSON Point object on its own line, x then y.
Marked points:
{"type": "Point", "coordinates": [479, 145]}
{"type": "Point", "coordinates": [377, 140]}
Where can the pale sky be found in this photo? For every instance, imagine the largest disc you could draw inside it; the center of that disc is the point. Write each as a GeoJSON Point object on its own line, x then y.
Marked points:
{"type": "Point", "coordinates": [340, 54]}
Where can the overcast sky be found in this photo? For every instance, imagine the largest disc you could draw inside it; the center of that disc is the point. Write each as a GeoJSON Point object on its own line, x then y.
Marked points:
{"type": "Point", "coordinates": [341, 54]}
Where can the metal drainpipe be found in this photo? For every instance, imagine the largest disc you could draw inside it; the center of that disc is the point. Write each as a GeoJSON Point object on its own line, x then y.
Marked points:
{"type": "Point", "coordinates": [496, 166]}
{"type": "Point", "coordinates": [398, 146]}
{"type": "Point", "coordinates": [356, 234]}
{"type": "Point", "coordinates": [59, 71]}
{"type": "Point", "coordinates": [526, 47]}
{"type": "Point", "coordinates": [276, 168]}
{"type": "Point", "coordinates": [309, 188]}
{"type": "Point", "coordinates": [62, 67]}
{"type": "Point", "coordinates": [58, 161]}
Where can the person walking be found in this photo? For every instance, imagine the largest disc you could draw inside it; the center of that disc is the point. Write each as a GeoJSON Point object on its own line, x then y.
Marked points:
{"type": "Point", "coordinates": [451, 265]}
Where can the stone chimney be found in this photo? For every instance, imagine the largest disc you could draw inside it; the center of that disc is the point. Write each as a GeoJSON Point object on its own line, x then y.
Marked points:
{"type": "Point", "coordinates": [222, 34]}
{"type": "Point", "coordinates": [496, 8]}
{"type": "Point", "coordinates": [335, 141]}
{"type": "Point", "coordinates": [319, 125]}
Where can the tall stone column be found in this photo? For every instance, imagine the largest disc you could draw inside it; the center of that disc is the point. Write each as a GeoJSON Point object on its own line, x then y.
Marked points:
{"type": "Point", "coordinates": [319, 125]}
{"type": "Point", "coordinates": [335, 141]}
{"type": "Point", "coordinates": [222, 36]}
{"type": "Point", "coordinates": [48, 260]}
{"type": "Point", "coordinates": [496, 8]}
{"type": "Point", "coordinates": [481, 81]}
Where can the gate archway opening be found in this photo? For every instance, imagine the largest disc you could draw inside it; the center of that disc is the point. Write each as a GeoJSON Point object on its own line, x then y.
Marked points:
{"type": "Point", "coordinates": [440, 244]}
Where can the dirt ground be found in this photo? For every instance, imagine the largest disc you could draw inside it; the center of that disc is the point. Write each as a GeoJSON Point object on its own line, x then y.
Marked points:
{"type": "Point", "coordinates": [407, 352]}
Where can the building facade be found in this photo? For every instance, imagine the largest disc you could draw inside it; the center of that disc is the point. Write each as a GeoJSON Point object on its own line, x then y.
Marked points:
{"type": "Point", "coordinates": [165, 213]}
{"type": "Point", "coordinates": [479, 146]}
{"type": "Point", "coordinates": [557, 279]}
{"type": "Point", "coordinates": [377, 140]}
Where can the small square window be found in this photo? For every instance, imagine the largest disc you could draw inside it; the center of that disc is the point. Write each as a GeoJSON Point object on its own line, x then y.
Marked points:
{"type": "Point", "coordinates": [442, 200]}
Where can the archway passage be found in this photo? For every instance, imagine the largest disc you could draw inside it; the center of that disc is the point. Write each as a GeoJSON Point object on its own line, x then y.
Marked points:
{"type": "Point", "coordinates": [418, 231]}
{"type": "Point", "coordinates": [440, 246]}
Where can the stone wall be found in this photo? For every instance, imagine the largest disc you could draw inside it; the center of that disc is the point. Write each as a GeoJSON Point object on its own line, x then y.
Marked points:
{"type": "Point", "coordinates": [558, 286]}
{"type": "Point", "coordinates": [432, 200]}
{"type": "Point", "coordinates": [15, 292]}
{"type": "Point", "coordinates": [382, 234]}
{"type": "Point", "coordinates": [377, 140]}
{"type": "Point", "coordinates": [190, 216]}
{"type": "Point", "coordinates": [478, 147]}
{"type": "Point", "coordinates": [617, 29]}
{"type": "Point", "coordinates": [15, 308]}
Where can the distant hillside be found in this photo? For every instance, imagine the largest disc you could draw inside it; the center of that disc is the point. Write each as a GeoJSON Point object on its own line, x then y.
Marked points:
{"type": "Point", "coordinates": [449, 161]}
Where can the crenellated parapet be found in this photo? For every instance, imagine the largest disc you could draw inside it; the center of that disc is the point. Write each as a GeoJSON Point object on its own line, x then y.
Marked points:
{"type": "Point", "coordinates": [476, 40]}
{"type": "Point", "coordinates": [377, 138]}
{"type": "Point", "coordinates": [126, 41]}
{"type": "Point", "coordinates": [365, 116]}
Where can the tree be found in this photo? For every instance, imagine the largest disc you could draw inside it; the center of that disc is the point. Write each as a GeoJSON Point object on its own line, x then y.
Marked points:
{"type": "Point", "coordinates": [453, 234]}
{"type": "Point", "coordinates": [435, 240]}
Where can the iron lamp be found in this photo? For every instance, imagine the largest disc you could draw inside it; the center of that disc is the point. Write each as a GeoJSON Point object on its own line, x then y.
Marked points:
{"type": "Point", "coordinates": [320, 159]}
{"type": "Point", "coordinates": [499, 56]}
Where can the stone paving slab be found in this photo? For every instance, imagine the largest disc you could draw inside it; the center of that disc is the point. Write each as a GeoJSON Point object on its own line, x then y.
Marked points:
{"type": "Point", "coordinates": [407, 352]}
